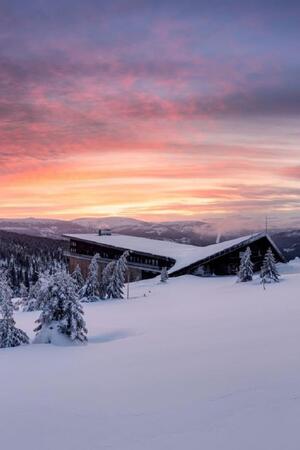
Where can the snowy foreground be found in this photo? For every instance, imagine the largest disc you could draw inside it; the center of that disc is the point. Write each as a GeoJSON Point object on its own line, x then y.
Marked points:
{"type": "Point", "coordinates": [197, 363]}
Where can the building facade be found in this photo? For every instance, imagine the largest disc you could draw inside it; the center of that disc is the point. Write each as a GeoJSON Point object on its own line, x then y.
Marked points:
{"type": "Point", "coordinates": [148, 257]}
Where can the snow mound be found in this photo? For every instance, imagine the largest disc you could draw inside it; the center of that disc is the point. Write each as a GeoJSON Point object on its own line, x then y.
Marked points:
{"type": "Point", "coordinates": [291, 267]}
{"type": "Point", "coordinates": [51, 335]}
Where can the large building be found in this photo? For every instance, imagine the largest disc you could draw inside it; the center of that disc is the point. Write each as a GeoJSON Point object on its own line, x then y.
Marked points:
{"type": "Point", "coordinates": [148, 256]}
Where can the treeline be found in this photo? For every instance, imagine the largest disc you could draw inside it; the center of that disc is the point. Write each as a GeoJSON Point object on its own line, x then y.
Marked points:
{"type": "Point", "coordinates": [58, 296]}
{"type": "Point", "coordinates": [25, 257]}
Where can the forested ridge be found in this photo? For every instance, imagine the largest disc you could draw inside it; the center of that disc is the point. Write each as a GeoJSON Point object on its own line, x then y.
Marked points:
{"type": "Point", "coordinates": [25, 257]}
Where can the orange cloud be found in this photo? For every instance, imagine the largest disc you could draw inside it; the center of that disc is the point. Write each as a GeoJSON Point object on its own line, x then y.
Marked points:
{"type": "Point", "coordinates": [158, 115]}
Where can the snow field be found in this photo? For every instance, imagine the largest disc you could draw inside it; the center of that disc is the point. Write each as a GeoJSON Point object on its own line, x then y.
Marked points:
{"type": "Point", "coordinates": [197, 363]}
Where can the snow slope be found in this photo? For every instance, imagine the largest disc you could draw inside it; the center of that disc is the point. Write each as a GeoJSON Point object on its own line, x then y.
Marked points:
{"type": "Point", "coordinates": [196, 363]}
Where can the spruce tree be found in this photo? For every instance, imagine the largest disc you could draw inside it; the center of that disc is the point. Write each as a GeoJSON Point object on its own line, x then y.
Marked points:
{"type": "Point", "coordinates": [105, 279]}
{"type": "Point", "coordinates": [246, 267]}
{"type": "Point", "coordinates": [62, 312]}
{"type": "Point", "coordinates": [29, 303]}
{"type": "Point", "coordinates": [23, 291]}
{"type": "Point", "coordinates": [10, 335]}
{"type": "Point", "coordinates": [78, 278]}
{"type": "Point", "coordinates": [37, 294]}
{"type": "Point", "coordinates": [11, 273]}
{"type": "Point", "coordinates": [23, 297]}
{"type": "Point", "coordinates": [117, 281]}
{"type": "Point", "coordinates": [269, 272]}
{"type": "Point", "coordinates": [90, 290]}
{"type": "Point", "coordinates": [164, 275]}
{"type": "Point", "coordinates": [26, 278]}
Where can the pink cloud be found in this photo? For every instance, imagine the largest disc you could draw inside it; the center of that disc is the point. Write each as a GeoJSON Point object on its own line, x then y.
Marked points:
{"type": "Point", "coordinates": [291, 172]}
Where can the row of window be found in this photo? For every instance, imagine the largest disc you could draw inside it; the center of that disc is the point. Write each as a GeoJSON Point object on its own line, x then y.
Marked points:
{"type": "Point", "coordinates": [141, 260]}
{"type": "Point", "coordinates": [132, 258]}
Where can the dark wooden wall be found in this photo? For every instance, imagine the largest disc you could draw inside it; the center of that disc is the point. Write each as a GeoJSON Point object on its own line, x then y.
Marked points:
{"type": "Point", "coordinates": [228, 264]}
{"type": "Point", "coordinates": [78, 247]}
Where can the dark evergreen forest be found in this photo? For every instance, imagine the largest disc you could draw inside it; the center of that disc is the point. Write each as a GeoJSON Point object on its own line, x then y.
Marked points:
{"type": "Point", "coordinates": [24, 257]}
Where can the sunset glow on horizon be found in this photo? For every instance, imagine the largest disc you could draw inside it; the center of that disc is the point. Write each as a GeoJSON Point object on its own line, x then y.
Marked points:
{"type": "Point", "coordinates": [154, 110]}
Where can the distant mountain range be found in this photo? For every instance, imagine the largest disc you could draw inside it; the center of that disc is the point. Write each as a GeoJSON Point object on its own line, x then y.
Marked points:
{"type": "Point", "coordinates": [188, 232]}
{"type": "Point", "coordinates": [42, 227]}
{"type": "Point", "coordinates": [196, 232]}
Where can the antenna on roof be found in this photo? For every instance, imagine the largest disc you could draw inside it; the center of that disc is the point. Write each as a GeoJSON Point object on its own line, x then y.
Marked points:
{"type": "Point", "coordinates": [266, 224]}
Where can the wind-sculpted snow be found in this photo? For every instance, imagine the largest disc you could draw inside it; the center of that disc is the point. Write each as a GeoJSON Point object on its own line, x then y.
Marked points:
{"type": "Point", "coordinates": [193, 363]}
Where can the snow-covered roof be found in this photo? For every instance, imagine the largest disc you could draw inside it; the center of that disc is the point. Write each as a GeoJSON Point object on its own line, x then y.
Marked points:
{"type": "Point", "coordinates": [184, 255]}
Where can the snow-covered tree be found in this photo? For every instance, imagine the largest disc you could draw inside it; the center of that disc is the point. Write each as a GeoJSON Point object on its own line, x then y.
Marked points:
{"type": "Point", "coordinates": [12, 273]}
{"type": "Point", "coordinates": [117, 281]}
{"type": "Point", "coordinates": [23, 291]}
{"type": "Point", "coordinates": [30, 302]}
{"type": "Point", "coordinates": [78, 278]}
{"type": "Point", "coordinates": [269, 272]}
{"type": "Point", "coordinates": [90, 290]}
{"type": "Point", "coordinates": [105, 279]}
{"type": "Point", "coordinates": [22, 297]}
{"type": "Point", "coordinates": [164, 275]}
{"type": "Point", "coordinates": [246, 267]}
{"type": "Point", "coordinates": [10, 335]}
{"type": "Point", "coordinates": [24, 257]}
{"type": "Point", "coordinates": [38, 293]}
{"type": "Point", "coordinates": [5, 289]}
{"type": "Point", "coordinates": [62, 314]}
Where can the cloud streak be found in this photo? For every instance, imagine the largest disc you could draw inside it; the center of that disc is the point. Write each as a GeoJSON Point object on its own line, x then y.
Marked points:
{"type": "Point", "coordinates": [198, 99]}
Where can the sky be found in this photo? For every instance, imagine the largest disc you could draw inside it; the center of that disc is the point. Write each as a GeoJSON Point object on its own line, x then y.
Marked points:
{"type": "Point", "coordinates": [159, 110]}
